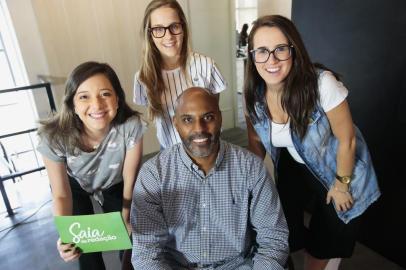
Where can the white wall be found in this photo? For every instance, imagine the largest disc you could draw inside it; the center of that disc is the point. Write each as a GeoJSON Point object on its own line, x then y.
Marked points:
{"type": "Point", "coordinates": [30, 42]}
{"type": "Point", "coordinates": [281, 7]}
{"type": "Point", "coordinates": [210, 22]}
{"type": "Point", "coordinates": [25, 25]}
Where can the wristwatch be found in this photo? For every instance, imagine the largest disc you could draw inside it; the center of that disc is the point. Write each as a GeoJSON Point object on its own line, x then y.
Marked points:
{"type": "Point", "coordinates": [344, 179]}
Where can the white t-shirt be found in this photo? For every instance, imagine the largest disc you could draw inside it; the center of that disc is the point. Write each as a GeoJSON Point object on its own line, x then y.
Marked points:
{"type": "Point", "coordinates": [203, 73]}
{"type": "Point", "coordinates": [332, 93]}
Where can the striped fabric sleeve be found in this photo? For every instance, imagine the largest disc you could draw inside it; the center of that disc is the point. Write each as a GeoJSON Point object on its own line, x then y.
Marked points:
{"type": "Point", "coordinates": [139, 92]}
{"type": "Point", "coordinates": [217, 81]}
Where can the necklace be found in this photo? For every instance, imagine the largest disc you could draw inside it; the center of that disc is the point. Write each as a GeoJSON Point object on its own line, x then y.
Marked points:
{"type": "Point", "coordinates": [93, 145]}
{"type": "Point", "coordinates": [93, 141]}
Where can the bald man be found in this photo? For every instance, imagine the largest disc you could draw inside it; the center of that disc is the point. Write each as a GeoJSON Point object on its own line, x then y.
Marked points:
{"type": "Point", "coordinates": [205, 203]}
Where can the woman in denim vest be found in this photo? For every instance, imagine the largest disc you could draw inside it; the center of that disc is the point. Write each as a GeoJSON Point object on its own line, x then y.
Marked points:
{"type": "Point", "coordinates": [295, 105]}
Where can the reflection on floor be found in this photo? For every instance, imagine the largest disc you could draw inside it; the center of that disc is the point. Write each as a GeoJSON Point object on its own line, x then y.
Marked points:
{"type": "Point", "coordinates": [28, 240]}
{"type": "Point", "coordinates": [31, 244]}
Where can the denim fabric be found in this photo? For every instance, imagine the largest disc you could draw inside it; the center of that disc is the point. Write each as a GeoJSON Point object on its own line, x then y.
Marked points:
{"type": "Point", "coordinates": [318, 149]}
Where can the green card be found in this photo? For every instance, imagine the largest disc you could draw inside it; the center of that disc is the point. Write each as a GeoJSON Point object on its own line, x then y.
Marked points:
{"type": "Point", "coordinates": [91, 233]}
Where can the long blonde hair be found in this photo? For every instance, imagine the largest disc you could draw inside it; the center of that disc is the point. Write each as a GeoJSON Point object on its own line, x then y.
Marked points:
{"type": "Point", "coordinates": [150, 72]}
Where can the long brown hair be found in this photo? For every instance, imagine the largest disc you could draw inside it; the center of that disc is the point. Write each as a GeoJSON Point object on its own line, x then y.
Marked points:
{"type": "Point", "coordinates": [65, 129]}
{"type": "Point", "coordinates": [300, 91]}
{"type": "Point", "coordinates": [150, 73]}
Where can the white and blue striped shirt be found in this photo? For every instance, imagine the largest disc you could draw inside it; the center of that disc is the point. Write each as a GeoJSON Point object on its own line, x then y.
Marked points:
{"type": "Point", "coordinates": [183, 219]}
{"type": "Point", "coordinates": [202, 72]}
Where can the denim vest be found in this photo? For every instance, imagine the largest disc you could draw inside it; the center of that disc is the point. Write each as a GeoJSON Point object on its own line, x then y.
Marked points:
{"type": "Point", "coordinates": [318, 149]}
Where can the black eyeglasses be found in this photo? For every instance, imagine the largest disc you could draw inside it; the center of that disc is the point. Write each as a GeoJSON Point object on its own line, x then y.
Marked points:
{"type": "Point", "coordinates": [281, 53]}
{"type": "Point", "coordinates": [160, 31]}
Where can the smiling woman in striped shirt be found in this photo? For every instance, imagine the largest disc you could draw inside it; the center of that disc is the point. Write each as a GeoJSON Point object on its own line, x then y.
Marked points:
{"type": "Point", "coordinates": [169, 67]}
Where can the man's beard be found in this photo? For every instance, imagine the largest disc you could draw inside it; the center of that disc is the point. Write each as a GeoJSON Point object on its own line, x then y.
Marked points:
{"type": "Point", "coordinates": [203, 150]}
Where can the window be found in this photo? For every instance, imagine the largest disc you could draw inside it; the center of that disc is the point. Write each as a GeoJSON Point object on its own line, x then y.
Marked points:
{"type": "Point", "coordinates": [17, 112]}
{"type": "Point", "coordinates": [246, 12]}
{"type": "Point", "coordinates": [19, 105]}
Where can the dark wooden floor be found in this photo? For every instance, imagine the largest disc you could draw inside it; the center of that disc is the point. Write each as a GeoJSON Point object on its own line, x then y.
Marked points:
{"type": "Point", "coordinates": [27, 241]}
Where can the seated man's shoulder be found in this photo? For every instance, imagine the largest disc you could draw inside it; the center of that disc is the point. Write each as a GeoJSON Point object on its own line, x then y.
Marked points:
{"type": "Point", "coordinates": [242, 154]}
{"type": "Point", "coordinates": [163, 158]}
{"type": "Point", "coordinates": [244, 163]}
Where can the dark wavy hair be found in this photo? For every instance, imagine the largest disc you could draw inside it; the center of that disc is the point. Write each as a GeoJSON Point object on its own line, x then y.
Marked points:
{"type": "Point", "coordinates": [65, 128]}
{"type": "Point", "coordinates": [300, 91]}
